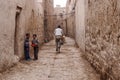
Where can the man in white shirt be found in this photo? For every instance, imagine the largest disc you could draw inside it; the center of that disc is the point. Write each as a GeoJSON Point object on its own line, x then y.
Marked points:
{"type": "Point", "coordinates": [58, 35]}
{"type": "Point", "coordinates": [58, 31]}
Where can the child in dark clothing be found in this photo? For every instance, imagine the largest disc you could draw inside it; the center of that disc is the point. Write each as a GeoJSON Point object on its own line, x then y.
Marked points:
{"type": "Point", "coordinates": [35, 45]}
{"type": "Point", "coordinates": [26, 47]}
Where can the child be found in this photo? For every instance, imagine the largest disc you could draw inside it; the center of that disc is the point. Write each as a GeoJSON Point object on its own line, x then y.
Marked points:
{"type": "Point", "coordinates": [26, 46]}
{"type": "Point", "coordinates": [35, 45]}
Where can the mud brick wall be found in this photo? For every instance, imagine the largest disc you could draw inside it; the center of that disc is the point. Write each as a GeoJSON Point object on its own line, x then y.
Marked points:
{"type": "Point", "coordinates": [103, 37]}
{"type": "Point", "coordinates": [71, 26]}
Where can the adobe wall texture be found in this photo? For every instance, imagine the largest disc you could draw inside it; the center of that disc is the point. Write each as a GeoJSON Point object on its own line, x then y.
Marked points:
{"type": "Point", "coordinates": [48, 21]}
{"type": "Point", "coordinates": [70, 16]}
{"type": "Point", "coordinates": [71, 26]}
{"type": "Point", "coordinates": [103, 37]}
{"type": "Point", "coordinates": [8, 29]}
{"type": "Point", "coordinates": [97, 33]}
{"type": "Point", "coordinates": [7, 33]}
{"type": "Point", "coordinates": [80, 24]}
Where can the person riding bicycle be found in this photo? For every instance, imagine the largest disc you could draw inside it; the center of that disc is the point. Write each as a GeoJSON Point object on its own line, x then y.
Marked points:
{"type": "Point", "coordinates": [58, 35]}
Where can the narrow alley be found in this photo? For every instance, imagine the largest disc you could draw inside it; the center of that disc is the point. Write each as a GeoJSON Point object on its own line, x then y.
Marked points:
{"type": "Point", "coordinates": [67, 65]}
{"type": "Point", "coordinates": [91, 29]}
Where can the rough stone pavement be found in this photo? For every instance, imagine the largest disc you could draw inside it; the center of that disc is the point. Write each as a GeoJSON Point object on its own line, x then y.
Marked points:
{"type": "Point", "coordinates": [68, 65]}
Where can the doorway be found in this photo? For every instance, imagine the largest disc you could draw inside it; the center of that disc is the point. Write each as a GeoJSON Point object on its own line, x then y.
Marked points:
{"type": "Point", "coordinates": [16, 34]}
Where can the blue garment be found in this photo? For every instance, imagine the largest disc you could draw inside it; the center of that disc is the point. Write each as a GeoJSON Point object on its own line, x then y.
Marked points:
{"type": "Point", "coordinates": [26, 49]}
{"type": "Point", "coordinates": [26, 43]}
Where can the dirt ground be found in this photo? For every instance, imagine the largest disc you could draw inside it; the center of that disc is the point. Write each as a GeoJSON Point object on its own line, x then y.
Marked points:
{"type": "Point", "coordinates": [67, 65]}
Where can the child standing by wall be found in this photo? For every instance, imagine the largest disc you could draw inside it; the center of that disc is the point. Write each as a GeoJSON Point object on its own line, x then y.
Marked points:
{"type": "Point", "coordinates": [26, 47]}
{"type": "Point", "coordinates": [35, 45]}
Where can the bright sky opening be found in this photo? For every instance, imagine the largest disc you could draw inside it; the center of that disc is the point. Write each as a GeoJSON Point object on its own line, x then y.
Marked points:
{"type": "Point", "coordinates": [60, 2]}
